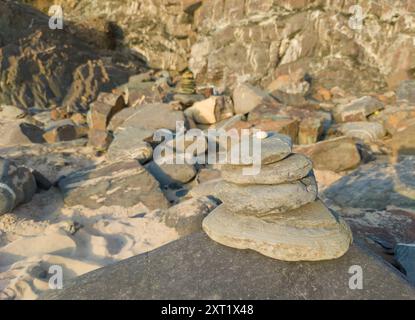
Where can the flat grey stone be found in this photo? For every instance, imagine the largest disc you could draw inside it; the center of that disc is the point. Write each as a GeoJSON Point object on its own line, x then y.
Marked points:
{"type": "Point", "coordinates": [274, 147]}
{"type": "Point", "coordinates": [129, 144]}
{"type": "Point", "coordinates": [309, 233]}
{"type": "Point", "coordinates": [261, 200]}
{"type": "Point", "coordinates": [292, 168]}
{"type": "Point", "coordinates": [196, 267]}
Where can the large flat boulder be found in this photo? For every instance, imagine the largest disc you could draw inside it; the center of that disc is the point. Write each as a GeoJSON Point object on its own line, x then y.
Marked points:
{"type": "Point", "coordinates": [376, 185]}
{"type": "Point", "coordinates": [196, 267]}
{"type": "Point", "coordinates": [123, 183]}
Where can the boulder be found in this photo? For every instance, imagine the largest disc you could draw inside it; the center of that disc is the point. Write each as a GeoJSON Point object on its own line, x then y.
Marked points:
{"type": "Point", "coordinates": [247, 97]}
{"type": "Point", "coordinates": [310, 131]}
{"type": "Point", "coordinates": [196, 267]}
{"type": "Point", "coordinates": [393, 118]}
{"type": "Point", "coordinates": [403, 142]}
{"type": "Point", "coordinates": [64, 130]}
{"type": "Point", "coordinates": [186, 217]}
{"type": "Point", "coordinates": [130, 144]}
{"type": "Point", "coordinates": [337, 154]}
{"type": "Point", "coordinates": [11, 113]}
{"type": "Point", "coordinates": [357, 110]}
{"type": "Point", "coordinates": [17, 185]}
{"type": "Point", "coordinates": [263, 200]}
{"type": "Point", "coordinates": [124, 183]}
{"type": "Point", "coordinates": [99, 139]}
{"type": "Point", "coordinates": [376, 185]}
{"type": "Point", "coordinates": [167, 173]}
{"type": "Point", "coordinates": [292, 168]}
{"type": "Point", "coordinates": [149, 116]}
{"type": "Point", "coordinates": [211, 110]}
{"type": "Point", "coordinates": [309, 233]}
{"type": "Point", "coordinates": [103, 110]}
{"type": "Point", "coordinates": [15, 133]}
{"type": "Point", "coordinates": [406, 92]}
{"type": "Point", "coordinates": [366, 131]}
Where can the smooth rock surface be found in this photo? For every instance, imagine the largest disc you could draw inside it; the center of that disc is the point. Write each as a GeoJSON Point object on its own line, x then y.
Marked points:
{"type": "Point", "coordinates": [337, 154]}
{"type": "Point", "coordinates": [309, 233]}
{"type": "Point", "coordinates": [196, 267]}
{"type": "Point", "coordinates": [292, 168]}
{"type": "Point", "coordinates": [274, 147]}
{"type": "Point", "coordinates": [247, 97]}
{"type": "Point", "coordinates": [262, 200]}
{"type": "Point", "coordinates": [166, 173]}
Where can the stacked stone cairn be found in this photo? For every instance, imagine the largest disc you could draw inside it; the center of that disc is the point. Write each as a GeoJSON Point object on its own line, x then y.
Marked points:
{"type": "Point", "coordinates": [277, 211]}
{"type": "Point", "coordinates": [187, 84]}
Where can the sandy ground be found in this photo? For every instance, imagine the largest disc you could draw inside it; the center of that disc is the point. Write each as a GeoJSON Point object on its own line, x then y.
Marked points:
{"type": "Point", "coordinates": [44, 232]}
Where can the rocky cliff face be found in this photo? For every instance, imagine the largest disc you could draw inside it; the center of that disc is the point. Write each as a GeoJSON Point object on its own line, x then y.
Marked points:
{"type": "Point", "coordinates": [225, 41]}
{"type": "Point", "coordinates": [40, 67]}
{"type": "Point", "coordinates": [361, 49]}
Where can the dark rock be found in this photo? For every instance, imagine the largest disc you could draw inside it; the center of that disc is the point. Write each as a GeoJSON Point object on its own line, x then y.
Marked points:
{"type": "Point", "coordinates": [41, 181]}
{"type": "Point", "coordinates": [376, 185]}
{"type": "Point", "coordinates": [17, 185]}
{"type": "Point", "coordinates": [198, 268]}
{"type": "Point", "coordinates": [405, 255]}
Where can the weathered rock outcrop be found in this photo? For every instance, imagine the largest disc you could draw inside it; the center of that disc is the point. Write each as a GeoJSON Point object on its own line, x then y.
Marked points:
{"type": "Point", "coordinates": [224, 42]}
{"type": "Point", "coordinates": [40, 67]}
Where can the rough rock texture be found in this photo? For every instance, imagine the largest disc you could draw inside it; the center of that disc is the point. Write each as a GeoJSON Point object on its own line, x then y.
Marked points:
{"type": "Point", "coordinates": [129, 144]}
{"type": "Point", "coordinates": [226, 42]}
{"type": "Point", "coordinates": [262, 200]}
{"type": "Point", "coordinates": [196, 267]}
{"type": "Point", "coordinates": [292, 168]}
{"type": "Point", "coordinates": [124, 184]}
{"type": "Point", "coordinates": [63, 69]}
{"type": "Point", "coordinates": [366, 131]}
{"type": "Point", "coordinates": [17, 185]}
{"type": "Point", "coordinates": [310, 233]}
{"type": "Point", "coordinates": [376, 185]}
{"type": "Point", "coordinates": [149, 116]}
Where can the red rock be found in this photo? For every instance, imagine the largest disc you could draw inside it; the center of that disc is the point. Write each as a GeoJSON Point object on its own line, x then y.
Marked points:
{"type": "Point", "coordinates": [102, 110]}
{"type": "Point", "coordinates": [337, 154]}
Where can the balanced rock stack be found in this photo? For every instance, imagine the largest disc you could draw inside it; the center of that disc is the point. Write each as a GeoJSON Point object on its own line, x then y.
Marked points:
{"type": "Point", "coordinates": [276, 212]}
{"type": "Point", "coordinates": [187, 84]}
